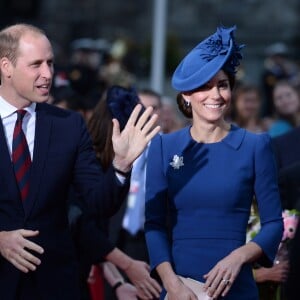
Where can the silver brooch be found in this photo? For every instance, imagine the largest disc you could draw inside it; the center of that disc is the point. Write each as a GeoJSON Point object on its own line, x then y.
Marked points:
{"type": "Point", "coordinates": [177, 162]}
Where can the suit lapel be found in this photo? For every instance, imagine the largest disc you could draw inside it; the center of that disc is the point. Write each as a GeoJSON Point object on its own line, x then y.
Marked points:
{"type": "Point", "coordinates": [40, 152]}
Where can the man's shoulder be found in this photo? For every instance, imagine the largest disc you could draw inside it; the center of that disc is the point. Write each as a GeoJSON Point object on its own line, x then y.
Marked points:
{"type": "Point", "coordinates": [289, 137]}
{"type": "Point", "coordinates": [56, 112]}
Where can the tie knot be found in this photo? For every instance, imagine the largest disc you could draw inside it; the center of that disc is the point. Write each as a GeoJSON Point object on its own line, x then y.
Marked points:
{"type": "Point", "coordinates": [20, 114]}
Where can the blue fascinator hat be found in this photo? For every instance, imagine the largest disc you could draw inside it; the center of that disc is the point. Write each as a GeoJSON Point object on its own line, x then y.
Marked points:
{"type": "Point", "coordinates": [218, 51]}
{"type": "Point", "coordinates": [121, 102]}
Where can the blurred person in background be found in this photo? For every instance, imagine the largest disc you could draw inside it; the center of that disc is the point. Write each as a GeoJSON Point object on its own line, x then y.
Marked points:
{"type": "Point", "coordinates": [84, 65]}
{"type": "Point", "coordinates": [170, 120]}
{"type": "Point", "coordinates": [89, 232]}
{"type": "Point", "coordinates": [277, 66]}
{"type": "Point", "coordinates": [65, 97]}
{"type": "Point", "coordinates": [127, 226]}
{"type": "Point", "coordinates": [114, 70]}
{"type": "Point", "coordinates": [287, 152]}
{"type": "Point", "coordinates": [246, 108]}
{"type": "Point", "coordinates": [286, 114]}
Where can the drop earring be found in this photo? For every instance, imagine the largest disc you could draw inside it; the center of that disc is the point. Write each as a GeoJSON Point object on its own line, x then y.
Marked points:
{"type": "Point", "coordinates": [187, 104]}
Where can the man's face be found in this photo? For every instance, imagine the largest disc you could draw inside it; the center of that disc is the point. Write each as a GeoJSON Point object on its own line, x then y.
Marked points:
{"type": "Point", "coordinates": [31, 76]}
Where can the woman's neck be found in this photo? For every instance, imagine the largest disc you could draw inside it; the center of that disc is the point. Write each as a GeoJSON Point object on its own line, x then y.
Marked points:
{"type": "Point", "coordinates": [209, 133]}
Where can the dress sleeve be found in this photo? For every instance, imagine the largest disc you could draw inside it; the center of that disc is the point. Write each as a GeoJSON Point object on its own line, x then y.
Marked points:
{"type": "Point", "coordinates": [268, 200]}
{"type": "Point", "coordinates": [156, 228]}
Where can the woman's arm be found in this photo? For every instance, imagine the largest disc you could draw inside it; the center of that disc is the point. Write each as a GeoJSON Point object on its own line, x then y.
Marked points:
{"type": "Point", "coordinates": [223, 274]}
{"type": "Point", "coordinates": [138, 273]}
{"type": "Point", "coordinates": [173, 285]}
{"type": "Point", "coordinates": [123, 290]}
{"type": "Point", "coordinates": [268, 201]}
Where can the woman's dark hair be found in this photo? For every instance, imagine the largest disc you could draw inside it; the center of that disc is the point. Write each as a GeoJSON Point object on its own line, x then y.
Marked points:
{"type": "Point", "coordinates": [187, 109]}
{"type": "Point", "coordinates": [100, 128]}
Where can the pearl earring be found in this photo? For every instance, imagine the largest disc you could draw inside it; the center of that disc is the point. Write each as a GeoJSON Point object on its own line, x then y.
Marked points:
{"type": "Point", "coordinates": [187, 104]}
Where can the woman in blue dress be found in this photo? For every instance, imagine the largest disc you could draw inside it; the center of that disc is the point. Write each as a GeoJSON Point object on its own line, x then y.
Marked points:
{"type": "Point", "coordinates": [201, 181]}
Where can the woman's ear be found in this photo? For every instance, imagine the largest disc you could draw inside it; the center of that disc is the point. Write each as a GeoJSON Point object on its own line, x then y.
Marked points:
{"type": "Point", "coordinates": [186, 96]}
{"type": "Point", "coordinates": [187, 99]}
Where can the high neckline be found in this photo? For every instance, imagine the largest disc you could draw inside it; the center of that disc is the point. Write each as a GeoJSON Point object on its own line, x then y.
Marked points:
{"type": "Point", "coordinates": [211, 143]}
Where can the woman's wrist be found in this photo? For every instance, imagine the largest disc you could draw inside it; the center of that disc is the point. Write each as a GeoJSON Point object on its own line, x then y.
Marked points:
{"type": "Point", "coordinates": [127, 265]}
{"type": "Point", "coordinates": [119, 283]}
{"type": "Point", "coordinates": [120, 259]}
{"type": "Point", "coordinates": [171, 283]}
{"type": "Point", "coordinates": [168, 276]}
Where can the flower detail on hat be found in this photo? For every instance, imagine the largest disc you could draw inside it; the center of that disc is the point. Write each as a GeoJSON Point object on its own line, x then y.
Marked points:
{"type": "Point", "coordinates": [219, 44]}
{"type": "Point", "coordinates": [121, 102]}
{"type": "Point", "coordinates": [177, 162]}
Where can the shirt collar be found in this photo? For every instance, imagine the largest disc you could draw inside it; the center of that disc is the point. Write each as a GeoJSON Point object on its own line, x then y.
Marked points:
{"type": "Point", "coordinates": [6, 109]}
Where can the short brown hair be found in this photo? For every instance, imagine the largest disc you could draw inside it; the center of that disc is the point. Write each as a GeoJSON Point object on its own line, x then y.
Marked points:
{"type": "Point", "coordinates": [10, 38]}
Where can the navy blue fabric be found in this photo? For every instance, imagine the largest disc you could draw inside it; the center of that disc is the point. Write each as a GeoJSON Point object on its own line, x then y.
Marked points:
{"type": "Point", "coordinates": [63, 155]}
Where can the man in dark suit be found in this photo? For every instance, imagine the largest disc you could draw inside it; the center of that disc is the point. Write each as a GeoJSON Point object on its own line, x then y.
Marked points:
{"type": "Point", "coordinates": [287, 152]}
{"type": "Point", "coordinates": [42, 154]}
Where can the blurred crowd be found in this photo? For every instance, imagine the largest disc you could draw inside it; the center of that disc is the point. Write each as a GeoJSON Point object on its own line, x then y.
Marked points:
{"type": "Point", "coordinates": [93, 66]}
{"type": "Point", "coordinates": [269, 102]}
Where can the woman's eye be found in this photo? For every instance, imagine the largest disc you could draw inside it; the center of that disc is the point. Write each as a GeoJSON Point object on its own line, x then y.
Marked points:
{"type": "Point", "coordinates": [224, 85]}
{"type": "Point", "coordinates": [204, 87]}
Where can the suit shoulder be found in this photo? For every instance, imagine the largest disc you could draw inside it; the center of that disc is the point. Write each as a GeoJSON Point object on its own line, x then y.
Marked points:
{"type": "Point", "coordinates": [57, 111]}
{"type": "Point", "coordinates": [291, 136]}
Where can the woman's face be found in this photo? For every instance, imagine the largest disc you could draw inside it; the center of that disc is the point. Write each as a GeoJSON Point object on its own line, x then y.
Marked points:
{"type": "Point", "coordinates": [248, 104]}
{"type": "Point", "coordinates": [211, 101]}
{"type": "Point", "coordinates": [286, 100]}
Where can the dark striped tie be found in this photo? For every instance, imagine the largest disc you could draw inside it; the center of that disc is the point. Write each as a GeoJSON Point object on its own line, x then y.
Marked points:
{"type": "Point", "coordinates": [21, 156]}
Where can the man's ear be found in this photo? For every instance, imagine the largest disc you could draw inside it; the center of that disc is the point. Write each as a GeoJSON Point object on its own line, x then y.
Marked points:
{"type": "Point", "coordinates": [6, 67]}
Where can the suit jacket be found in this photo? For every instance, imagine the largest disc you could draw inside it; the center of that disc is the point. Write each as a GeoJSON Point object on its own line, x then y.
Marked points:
{"type": "Point", "coordinates": [63, 155]}
{"type": "Point", "coordinates": [287, 151]}
{"type": "Point", "coordinates": [287, 148]}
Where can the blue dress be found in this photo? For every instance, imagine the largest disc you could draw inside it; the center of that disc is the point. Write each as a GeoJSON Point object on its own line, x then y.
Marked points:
{"type": "Point", "coordinates": [203, 192]}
